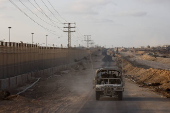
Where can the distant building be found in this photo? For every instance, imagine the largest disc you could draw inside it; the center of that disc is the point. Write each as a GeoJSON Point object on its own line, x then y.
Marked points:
{"type": "Point", "coordinates": [148, 46]}
{"type": "Point", "coordinates": [168, 48]}
{"type": "Point", "coordinates": [165, 46]}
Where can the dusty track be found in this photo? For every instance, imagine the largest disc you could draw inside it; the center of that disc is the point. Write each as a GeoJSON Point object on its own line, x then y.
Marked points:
{"type": "Point", "coordinates": [72, 92]}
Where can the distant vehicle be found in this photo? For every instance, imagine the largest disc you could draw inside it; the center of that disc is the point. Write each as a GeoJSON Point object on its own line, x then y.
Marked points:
{"type": "Point", "coordinates": [108, 82]}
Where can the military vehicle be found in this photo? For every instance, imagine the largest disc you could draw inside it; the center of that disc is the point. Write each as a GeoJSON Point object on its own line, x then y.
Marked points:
{"type": "Point", "coordinates": [108, 82]}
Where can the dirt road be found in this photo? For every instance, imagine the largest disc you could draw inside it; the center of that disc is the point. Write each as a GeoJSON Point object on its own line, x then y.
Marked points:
{"type": "Point", "coordinates": [71, 92]}
{"type": "Point", "coordinates": [136, 100]}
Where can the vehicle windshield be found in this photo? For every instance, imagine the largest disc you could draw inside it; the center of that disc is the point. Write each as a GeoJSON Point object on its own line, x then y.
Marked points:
{"type": "Point", "coordinates": [109, 81]}
{"type": "Point", "coordinates": [108, 74]}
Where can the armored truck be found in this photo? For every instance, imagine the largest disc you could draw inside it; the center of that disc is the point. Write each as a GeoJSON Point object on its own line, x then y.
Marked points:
{"type": "Point", "coordinates": [108, 82]}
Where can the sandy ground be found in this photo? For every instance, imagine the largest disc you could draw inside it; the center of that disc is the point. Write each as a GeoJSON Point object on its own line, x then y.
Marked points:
{"type": "Point", "coordinates": [50, 93]}
{"type": "Point", "coordinates": [148, 63]}
{"type": "Point", "coordinates": [156, 79]}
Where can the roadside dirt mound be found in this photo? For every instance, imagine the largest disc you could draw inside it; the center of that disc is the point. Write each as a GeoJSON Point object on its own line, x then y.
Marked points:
{"type": "Point", "coordinates": [157, 59]}
{"type": "Point", "coordinates": [153, 78]}
{"type": "Point", "coordinates": [163, 60]}
{"type": "Point", "coordinates": [140, 52]}
{"type": "Point", "coordinates": [148, 57]}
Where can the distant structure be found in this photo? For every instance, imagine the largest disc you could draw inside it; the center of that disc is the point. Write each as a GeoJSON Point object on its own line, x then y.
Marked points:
{"type": "Point", "coordinates": [148, 46]}
{"type": "Point", "coordinates": [117, 50]}
{"type": "Point", "coordinates": [165, 46]}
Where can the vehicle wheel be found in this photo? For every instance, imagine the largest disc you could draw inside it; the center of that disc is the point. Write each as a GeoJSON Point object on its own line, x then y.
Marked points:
{"type": "Point", "coordinates": [97, 95]}
{"type": "Point", "coordinates": [120, 95]}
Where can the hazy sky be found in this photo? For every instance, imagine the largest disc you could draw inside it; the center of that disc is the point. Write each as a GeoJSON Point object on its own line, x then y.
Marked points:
{"type": "Point", "coordinates": [110, 22]}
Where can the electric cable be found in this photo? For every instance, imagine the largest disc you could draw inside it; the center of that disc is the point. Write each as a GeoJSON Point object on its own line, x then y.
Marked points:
{"type": "Point", "coordinates": [56, 11]}
{"type": "Point", "coordinates": [36, 14]}
{"type": "Point", "coordinates": [51, 31]}
{"type": "Point", "coordinates": [50, 11]}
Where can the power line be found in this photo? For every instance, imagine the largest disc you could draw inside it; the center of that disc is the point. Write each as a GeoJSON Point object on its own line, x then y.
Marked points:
{"type": "Point", "coordinates": [33, 19]}
{"type": "Point", "coordinates": [78, 38]}
{"type": "Point", "coordinates": [40, 11]}
{"type": "Point", "coordinates": [47, 16]}
{"type": "Point", "coordinates": [79, 31]}
{"type": "Point", "coordinates": [57, 13]}
{"type": "Point", "coordinates": [45, 13]}
{"type": "Point", "coordinates": [77, 35]}
{"type": "Point", "coordinates": [35, 7]}
{"type": "Point", "coordinates": [50, 11]}
{"type": "Point", "coordinates": [36, 14]}
{"type": "Point", "coordinates": [56, 10]}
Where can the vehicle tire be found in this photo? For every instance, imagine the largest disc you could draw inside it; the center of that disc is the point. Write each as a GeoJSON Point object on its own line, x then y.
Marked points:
{"type": "Point", "coordinates": [120, 95]}
{"type": "Point", "coordinates": [97, 95]}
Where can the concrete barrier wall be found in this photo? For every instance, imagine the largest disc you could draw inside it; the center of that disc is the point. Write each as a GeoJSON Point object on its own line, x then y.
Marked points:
{"type": "Point", "coordinates": [20, 62]}
{"type": "Point", "coordinates": [19, 58]}
{"type": "Point", "coordinates": [19, 80]}
{"type": "Point", "coordinates": [13, 82]}
{"type": "Point", "coordinates": [4, 83]}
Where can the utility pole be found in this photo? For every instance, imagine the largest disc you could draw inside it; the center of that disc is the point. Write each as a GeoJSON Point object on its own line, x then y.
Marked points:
{"type": "Point", "coordinates": [32, 37]}
{"type": "Point", "coordinates": [87, 40]}
{"type": "Point", "coordinates": [9, 33]}
{"type": "Point", "coordinates": [92, 44]}
{"type": "Point", "coordinates": [46, 41]}
{"type": "Point", "coordinates": [69, 33]}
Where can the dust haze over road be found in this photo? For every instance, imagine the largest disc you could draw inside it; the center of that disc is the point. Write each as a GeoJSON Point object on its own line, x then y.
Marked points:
{"type": "Point", "coordinates": [135, 100]}
{"type": "Point", "coordinates": [72, 92]}
{"type": "Point", "coordinates": [107, 60]}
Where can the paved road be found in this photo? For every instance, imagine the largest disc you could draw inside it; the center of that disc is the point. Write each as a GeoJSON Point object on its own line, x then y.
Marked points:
{"type": "Point", "coordinates": [136, 100]}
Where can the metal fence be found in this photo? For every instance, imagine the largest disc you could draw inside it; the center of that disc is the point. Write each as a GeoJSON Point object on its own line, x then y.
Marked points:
{"type": "Point", "coordinates": [20, 58]}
